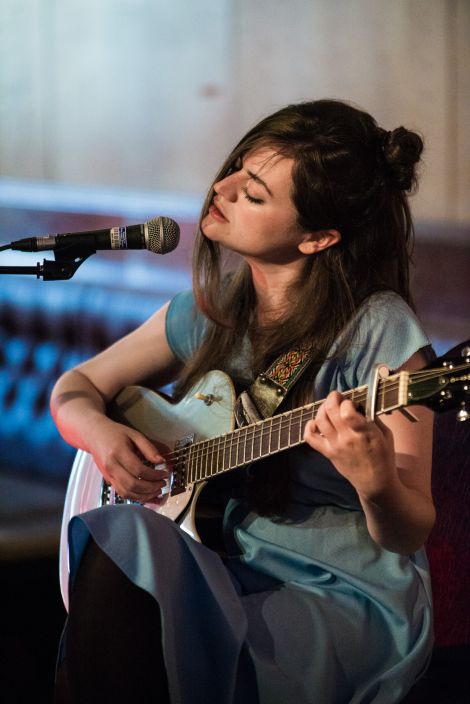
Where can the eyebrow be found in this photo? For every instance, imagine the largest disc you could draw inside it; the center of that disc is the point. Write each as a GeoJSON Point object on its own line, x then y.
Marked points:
{"type": "Point", "coordinates": [259, 180]}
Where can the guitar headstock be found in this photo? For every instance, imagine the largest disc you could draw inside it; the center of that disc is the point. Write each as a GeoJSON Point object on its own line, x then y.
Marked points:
{"type": "Point", "coordinates": [444, 384]}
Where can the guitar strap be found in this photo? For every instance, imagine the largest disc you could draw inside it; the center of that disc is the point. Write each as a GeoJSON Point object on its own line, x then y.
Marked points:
{"type": "Point", "coordinates": [270, 388]}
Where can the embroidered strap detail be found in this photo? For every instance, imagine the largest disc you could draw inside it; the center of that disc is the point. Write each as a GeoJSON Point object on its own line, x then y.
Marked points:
{"type": "Point", "coordinates": [287, 368]}
{"type": "Point", "coordinates": [269, 389]}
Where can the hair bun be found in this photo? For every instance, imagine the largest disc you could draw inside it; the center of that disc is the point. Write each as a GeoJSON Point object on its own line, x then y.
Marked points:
{"type": "Point", "coordinates": [402, 150]}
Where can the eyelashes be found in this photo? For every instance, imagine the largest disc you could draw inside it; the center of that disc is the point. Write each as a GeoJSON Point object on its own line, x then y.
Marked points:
{"type": "Point", "coordinates": [251, 199]}
{"type": "Point", "coordinates": [238, 166]}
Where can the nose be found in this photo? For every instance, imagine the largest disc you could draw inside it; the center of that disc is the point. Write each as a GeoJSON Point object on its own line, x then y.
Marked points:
{"type": "Point", "coordinates": [228, 187]}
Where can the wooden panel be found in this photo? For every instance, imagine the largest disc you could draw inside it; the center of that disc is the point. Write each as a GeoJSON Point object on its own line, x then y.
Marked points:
{"type": "Point", "coordinates": [463, 109]}
{"type": "Point", "coordinates": [131, 94]}
{"type": "Point", "coordinates": [151, 94]}
{"type": "Point", "coordinates": [24, 104]}
{"type": "Point", "coordinates": [388, 57]}
{"type": "Point", "coordinates": [141, 92]}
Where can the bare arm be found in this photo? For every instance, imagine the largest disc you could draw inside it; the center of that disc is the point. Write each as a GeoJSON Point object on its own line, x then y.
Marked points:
{"type": "Point", "coordinates": [78, 406]}
{"type": "Point", "coordinates": [388, 462]}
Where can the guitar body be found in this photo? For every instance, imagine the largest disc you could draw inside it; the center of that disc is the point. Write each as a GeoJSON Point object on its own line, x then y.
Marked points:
{"type": "Point", "coordinates": [206, 412]}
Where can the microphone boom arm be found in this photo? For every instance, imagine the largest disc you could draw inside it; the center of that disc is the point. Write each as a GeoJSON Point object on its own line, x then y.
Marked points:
{"type": "Point", "coordinates": [67, 260]}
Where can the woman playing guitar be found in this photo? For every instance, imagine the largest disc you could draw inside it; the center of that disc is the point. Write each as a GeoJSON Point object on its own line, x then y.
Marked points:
{"type": "Point", "coordinates": [322, 594]}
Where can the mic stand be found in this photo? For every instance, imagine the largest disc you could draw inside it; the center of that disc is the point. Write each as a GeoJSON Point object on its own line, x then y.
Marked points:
{"type": "Point", "coordinates": [67, 260]}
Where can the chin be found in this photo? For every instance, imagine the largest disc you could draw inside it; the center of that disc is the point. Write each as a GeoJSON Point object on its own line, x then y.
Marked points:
{"type": "Point", "coordinates": [206, 225]}
{"type": "Point", "coordinates": [209, 231]}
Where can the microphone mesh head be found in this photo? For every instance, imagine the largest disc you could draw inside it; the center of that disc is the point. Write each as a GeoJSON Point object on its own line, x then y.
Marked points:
{"type": "Point", "coordinates": [163, 235]}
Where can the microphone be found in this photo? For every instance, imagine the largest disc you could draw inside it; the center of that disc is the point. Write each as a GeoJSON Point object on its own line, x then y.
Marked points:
{"type": "Point", "coordinates": [159, 235]}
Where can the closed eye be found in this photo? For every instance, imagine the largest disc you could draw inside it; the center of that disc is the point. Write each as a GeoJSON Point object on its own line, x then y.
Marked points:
{"type": "Point", "coordinates": [251, 199]}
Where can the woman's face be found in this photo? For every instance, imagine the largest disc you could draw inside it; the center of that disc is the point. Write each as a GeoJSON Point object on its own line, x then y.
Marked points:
{"type": "Point", "coordinates": [252, 212]}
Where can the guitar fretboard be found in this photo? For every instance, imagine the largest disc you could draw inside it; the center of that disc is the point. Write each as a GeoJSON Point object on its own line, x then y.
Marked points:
{"type": "Point", "coordinates": [207, 458]}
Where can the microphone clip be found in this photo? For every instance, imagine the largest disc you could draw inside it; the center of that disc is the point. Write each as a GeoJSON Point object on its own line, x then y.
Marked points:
{"type": "Point", "coordinates": [68, 258]}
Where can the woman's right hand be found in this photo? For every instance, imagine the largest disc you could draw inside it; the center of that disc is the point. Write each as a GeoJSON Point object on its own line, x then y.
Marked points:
{"type": "Point", "coordinates": [123, 456]}
{"type": "Point", "coordinates": [80, 397]}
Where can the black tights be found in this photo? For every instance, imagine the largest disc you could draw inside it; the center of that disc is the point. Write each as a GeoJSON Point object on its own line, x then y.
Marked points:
{"type": "Point", "coordinates": [113, 649]}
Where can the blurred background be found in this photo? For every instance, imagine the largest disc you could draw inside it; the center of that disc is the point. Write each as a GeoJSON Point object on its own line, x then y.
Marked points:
{"type": "Point", "coordinates": [116, 111]}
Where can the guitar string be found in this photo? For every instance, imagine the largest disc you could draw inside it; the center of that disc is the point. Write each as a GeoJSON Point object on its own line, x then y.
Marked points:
{"type": "Point", "coordinates": [242, 436]}
{"type": "Point", "coordinates": [239, 438]}
{"type": "Point", "coordinates": [199, 449]}
{"type": "Point", "coordinates": [260, 426]}
{"type": "Point", "coordinates": [358, 395]}
{"type": "Point", "coordinates": [290, 424]}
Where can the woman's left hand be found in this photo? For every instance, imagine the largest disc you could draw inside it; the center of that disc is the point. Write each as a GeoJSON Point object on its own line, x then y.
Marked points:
{"type": "Point", "coordinates": [362, 451]}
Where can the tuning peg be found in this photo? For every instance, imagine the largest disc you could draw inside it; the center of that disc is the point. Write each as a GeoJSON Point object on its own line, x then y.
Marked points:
{"type": "Point", "coordinates": [463, 414]}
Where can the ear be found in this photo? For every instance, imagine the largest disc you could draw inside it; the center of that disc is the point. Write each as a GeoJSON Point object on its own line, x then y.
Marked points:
{"type": "Point", "coordinates": [314, 242]}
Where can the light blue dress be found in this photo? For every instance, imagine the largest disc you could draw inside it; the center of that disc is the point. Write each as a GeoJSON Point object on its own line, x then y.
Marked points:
{"type": "Point", "coordinates": [308, 609]}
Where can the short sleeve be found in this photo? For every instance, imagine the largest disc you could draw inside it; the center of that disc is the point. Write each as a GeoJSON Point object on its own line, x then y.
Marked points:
{"type": "Point", "coordinates": [387, 332]}
{"type": "Point", "coordinates": [185, 325]}
{"type": "Point", "coordinates": [384, 331]}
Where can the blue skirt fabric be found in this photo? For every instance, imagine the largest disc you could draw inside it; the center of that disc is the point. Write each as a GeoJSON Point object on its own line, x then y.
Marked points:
{"type": "Point", "coordinates": [301, 616]}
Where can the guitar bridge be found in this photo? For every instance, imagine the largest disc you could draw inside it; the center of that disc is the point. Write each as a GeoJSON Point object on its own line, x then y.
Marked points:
{"type": "Point", "coordinates": [179, 473]}
{"type": "Point", "coordinates": [110, 497]}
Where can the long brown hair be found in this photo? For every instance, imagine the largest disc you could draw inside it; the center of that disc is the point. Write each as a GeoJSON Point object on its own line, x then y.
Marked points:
{"type": "Point", "coordinates": [349, 175]}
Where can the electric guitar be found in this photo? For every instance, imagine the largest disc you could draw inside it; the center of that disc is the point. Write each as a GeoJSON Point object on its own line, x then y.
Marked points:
{"type": "Point", "coordinates": [200, 432]}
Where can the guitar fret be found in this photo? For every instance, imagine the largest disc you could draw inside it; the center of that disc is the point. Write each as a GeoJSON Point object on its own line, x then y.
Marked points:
{"type": "Point", "coordinates": [240, 461]}
{"type": "Point", "coordinates": [198, 463]}
{"type": "Point", "coordinates": [206, 459]}
{"type": "Point", "coordinates": [213, 455]}
{"type": "Point", "coordinates": [252, 445]}
{"type": "Point", "coordinates": [189, 465]}
{"type": "Point", "coordinates": [289, 429]}
{"type": "Point", "coordinates": [226, 459]}
{"type": "Point", "coordinates": [193, 458]}
{"type": "Point", "coordinates": [231, 456]}
{"type": "Point", "coordinates": [265, 440]}
{"type": "Point", "coordinates": [387, 393]}
{"type": "Point", "coordinates": [381, 394]}
{"type": "Point", "coordinates": [201, 458]}
{"type": "Point", "coordinates": [300, 425]}
{"type": "Point", "coordinates": [257, 435]}
{"type": "Point", "coordinates": [219, 456]}
{"type": "Point", "coordinates": [245, 460]}
{"type": "Point", "coordinates": [304, 416]}
{"type": "Point", "coordinates": [270, 435]}
{"type": "Point", "coordinates": [240, 448]}
{"type": "Point", "coordinates": [283, 430]}
{"type": "Point", "coordinates": [234, 453]}
{"type": "Point", "coordinates": [276, 436]}
{"type": "Point", "coordinates": [213, 464]}
{"type": "Point", "coordinates": [205, 464]}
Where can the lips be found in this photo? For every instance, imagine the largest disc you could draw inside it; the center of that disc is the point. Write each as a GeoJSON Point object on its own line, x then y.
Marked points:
{"type": "Point", "coordinates": [216, 213]}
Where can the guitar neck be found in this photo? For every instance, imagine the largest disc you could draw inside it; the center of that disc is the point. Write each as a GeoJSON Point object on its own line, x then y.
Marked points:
{"type": "Point", "coordinates": [208, 458]}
